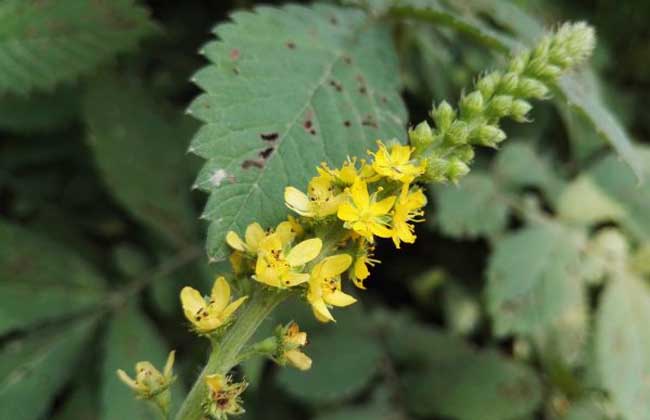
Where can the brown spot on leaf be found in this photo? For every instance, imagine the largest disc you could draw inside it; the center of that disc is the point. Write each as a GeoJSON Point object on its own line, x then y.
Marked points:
{"type": "Point", "coordinates": [269, 136]}
{"type": "Point", "coordinates": [362, 90]}
{"type": "Point", "coordinates": [369, 121]}
{"type": "Point", "coordinates": [312, 132]}
{"type": "Point", "coordinates": [307, 124]}
{"type": "Point", "coordinates": [383, 100]}
{"type": "Point", "coordinates": [291, 45]}
{"type": "Point", "coordinates": [347, 59]}
{"type": "Point", "coordinates": [264, 154]}
{"type": "Point", "coordinates": [336, 85]}
{"type": "Point", "coordinates": [235, 70]}
{"type": "Point", "coordinates": [346, 123]}
{"type": "Point", "coordinates": [234, 54]}
{"type": "Point", "coordinates": [334, 20]}
{"type": "Point", "coordinates": [249, 163]}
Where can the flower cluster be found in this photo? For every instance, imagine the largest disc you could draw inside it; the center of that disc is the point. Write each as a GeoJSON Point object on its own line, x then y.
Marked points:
{"type": "Point", "coordinates": [340, 216]}
{"type": "Point", "coordinates": [223, 397]}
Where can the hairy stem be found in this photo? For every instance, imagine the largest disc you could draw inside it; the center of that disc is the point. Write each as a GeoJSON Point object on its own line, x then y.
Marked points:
{"type": "Point", "coordinates": [225, 356]}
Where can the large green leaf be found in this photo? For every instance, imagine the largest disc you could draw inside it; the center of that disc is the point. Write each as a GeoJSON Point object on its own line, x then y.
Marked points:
{"type": "Point", "coordinates": [41, 280]}
{"type": "Point", "coordinates": [580, 100]}
{"type": "Point", "coordinates": [473, 208]}
{"type": "Point", "coordinates": [451, 379]}
{"type": "Point", "coordinates": [620, 184]}
{"type": "Point", "coordinates": [131, 338]}
{"type": "Point", "coordinates": [323, 87]}
{"type": "Point", "coordinates": [33, 369]}
{"type": "Point", "coordinates": [623, 344]}
{"type": "Point", "coordinates": [45, 43]}
{"type": "Point", "coordinates": [125, 128]}
{"type": "Point", "coordinates": [39, 112]}
{"type": "Point", "coordinates": [532, 279]}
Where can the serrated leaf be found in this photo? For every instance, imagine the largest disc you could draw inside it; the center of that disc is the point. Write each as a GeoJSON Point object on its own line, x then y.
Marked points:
{"type": "Point", "coordinates": [325, 86]}
{"type": "Point", "coordinates": [451, 379]}
{"type": "Point", "coordinates": [623, 345]}
{"type": "Point", "coordinates": [579, 99]}
{"type": "Point", "coordinates": [520, 165]}
{"type": "Point", "coordinates": [80, 404]}
{"type": "Point", "coordinates": [473, 208]}
{"type": "Point", "coordinates": [42, 280]}
{"type": "Point", "coordinates": [33, 369]}
{"type": "Point", "coordinates": [45, 43]}
{"type": "Point", "coordinates": [532, 279]}
{"type": "Point", "coordinates": [131, 338]}
{"type": "Point", "coordinates": [140, 150]}
{"type": "Point", "coordinates": [344, 362]}
{"type": "Point", "coordinates": [620, 184]}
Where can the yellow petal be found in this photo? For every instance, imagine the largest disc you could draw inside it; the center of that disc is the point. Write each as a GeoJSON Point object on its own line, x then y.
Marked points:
{"type": "Point", "coordinates": [254, 234]}
{"type": "Point", "coordinates": [359, 193]}
{"type": "Point", "coordinates": [361, 269]}
{"type": "Point", "coordinates": [128, 380]}
{"type": "Point", "coordinates": [304, 252]}
{"type": "Point", "coordinates": [347, 212]}
{"type": "Point", "coordinates": [335, 265]}
{"type": "Point", "coordinates": [285, 232]}
{"type": "Point", "coordinates": [294, 279]}
{"type": "Point", "coordinates": [233, 307]}
{"type": "Point", "coordinates": [321, 312]}
{"type": "Point", "coordinates": [169, 365]}
{"type": "Point", "coordinates": [215, 382]}
{"type": "Point", "coordinates": [382, 207]}
{"type": "Point", "coordinates": [400, 154]}
{"type": "Point", "coordinates": [192, 302]}
{"type": "Point", "coordinates": [338, 298]}
{"type": "Point", "coordinates": [380, 230]}
{"type": "Point", "coordinates": [298, 359]}
{"type": "Point", "coordinates": [297, 201]}
{"type": "Point", "coordinates": [271, 243]}
{"type": "Point", "coordinates": [235, 241]}
{"type": "Point", "coordinates": [220, 295]}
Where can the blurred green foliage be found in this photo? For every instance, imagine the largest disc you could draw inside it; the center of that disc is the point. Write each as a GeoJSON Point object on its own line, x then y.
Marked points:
{"type": "Point", "coordinates": [525, 297]}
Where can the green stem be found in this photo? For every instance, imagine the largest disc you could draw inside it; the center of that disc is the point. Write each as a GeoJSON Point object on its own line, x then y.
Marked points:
{"type": "Point", "coordinates": [226, 356]}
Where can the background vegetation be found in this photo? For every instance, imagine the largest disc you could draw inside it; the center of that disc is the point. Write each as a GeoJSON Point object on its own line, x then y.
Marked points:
{"type": "Point", "coordinates": [525, 296]}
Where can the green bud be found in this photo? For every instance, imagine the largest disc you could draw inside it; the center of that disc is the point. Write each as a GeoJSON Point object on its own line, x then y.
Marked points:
{"type": "Point", "coordinates": [443, 115]}
{"type": "Point", "coordinates": [532, 88]}
{"type": "Point", "coordinates": [472, 104]}
{"type": "Point", "coordinates": [456, 170]}
{"type": "Point", "coordinates": [464, 153]}
{"type": "Point", "coordinates": [519, 110]}
{"type": "Point", "coordinates": [458, 133]}
{"type": "Point", "coordinates": [488, 84]}
{"type": "Point", "coordinates": [436, 169]}
{"type": "Point", "coordinates": [550, 72]}
{"type": "Point", "coordinates": [509, 82]}
{"type": "Point", "coordinates": [490, 135]}
{"type": "Point", "coordinates": [500, 106]}
{"type": "Point", "coordinates": [519, 62]}
{"type": "Point", "coordinates": [580, 41]}
{"type": "Point", "coordinates": [421, 136]}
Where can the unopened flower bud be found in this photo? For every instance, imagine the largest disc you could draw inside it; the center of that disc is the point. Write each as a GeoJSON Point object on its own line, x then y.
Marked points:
{"type": "Point", "coordinates": [532, 88]}
{"type": "Point", "coordinates": [421, 136]}
{"type": "Point", "coordinates": [490, 135]}
{"type": "Point", "coordinates": [500, 106]}
{"type": "Point", "coordinates": [456, 170]}
{"type": "Point", "coordinates": [550, 72]}
{"type": "Point", "coordinates": [472, 104]}
{"type": "Point", "coordinates": [464, 153]}
{"type": "Point", "coordinates": [509, 82]}
{"type": "Point", "coordinates": [458, 133]}
{"type": "Point", "coordinates": [443, 115]}
{"type": "Point", "coordinates": [488, 84]}
{"type": "Point", "coordinates": [580, 42]}
{"type": "Point", "coordinates": [519, 62]}
{"type": "Point", "coordinates": [519, 110]}
{"type": "Point", "coordinates": [436, 169]}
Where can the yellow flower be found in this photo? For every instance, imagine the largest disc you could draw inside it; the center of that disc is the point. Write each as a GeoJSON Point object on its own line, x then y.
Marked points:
{"type": "Point", "coordinates": [349, 172]}
{"type": "Point", "coordinates": [396, 164]}
{"type": "Point", "coordinates": [364, 215]}
{"type": "Point", "coordinates": [407, 209]}
{"type": "Point", "coordinates": [223, 396]}
{"type": "Point", "coordinates": [207, 316]}
{"type": "Point", "coordinates": [322, 198]}
{"type": "Point", "coordinates": [360, 270]}
{"type": "Point", "coordinates": [289, 230]}
{"type": "Point", "coordinates": [325, 286]}
{"type": "Point", "coordinates": [279, 269]}
{"type": "Point", "coordinates": [254, 234]}
{"type": "Point", "coordinates": [149, 382]}
{"type": "Point", "coordinates": [292, 339]}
